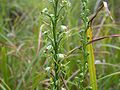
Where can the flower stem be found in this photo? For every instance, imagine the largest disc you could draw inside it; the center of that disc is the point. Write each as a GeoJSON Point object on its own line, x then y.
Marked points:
{"type": "Point", "coordinates": [55, 47]}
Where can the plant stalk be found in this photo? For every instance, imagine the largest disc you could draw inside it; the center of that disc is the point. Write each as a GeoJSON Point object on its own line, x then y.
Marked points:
{"type": "Point", "coordinates": [55, 47]}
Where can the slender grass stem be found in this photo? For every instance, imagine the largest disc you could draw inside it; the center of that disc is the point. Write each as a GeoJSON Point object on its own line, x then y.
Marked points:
{"type": "Point", "coordinates": [109, 75]}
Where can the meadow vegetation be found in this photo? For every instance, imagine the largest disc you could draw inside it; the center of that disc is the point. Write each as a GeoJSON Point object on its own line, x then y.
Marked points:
{"type": "Point", "coordinates": [59, 45]}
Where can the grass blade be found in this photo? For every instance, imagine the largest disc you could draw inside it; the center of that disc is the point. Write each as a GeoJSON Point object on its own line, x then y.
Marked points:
{"type": "Point", "coordinates": [28, 68]}
{"type": "Point", "coordinates": [91, 61]}
{"type": "Point", "coordinates": [4, 68]}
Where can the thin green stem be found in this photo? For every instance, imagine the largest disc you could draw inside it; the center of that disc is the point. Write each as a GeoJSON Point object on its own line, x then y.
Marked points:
{"type": "Point", "coordinates": [84, 41]}
{"type": "Point", "coordinates": [87, 50]}
{"type": "Point", "coordinates": [55, 47]}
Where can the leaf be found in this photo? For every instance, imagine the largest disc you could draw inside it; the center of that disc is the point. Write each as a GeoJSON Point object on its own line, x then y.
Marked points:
{"type": "Point", "coordinates": [91, 61]}
{"type": "Point", "coordinates": [104, 37]}
{"type": "Point", "coordinates": [111, 46]}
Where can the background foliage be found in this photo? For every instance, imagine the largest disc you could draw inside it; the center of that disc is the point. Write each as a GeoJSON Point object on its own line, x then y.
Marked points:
{"type": "Point", "coordinates": [23, 60]}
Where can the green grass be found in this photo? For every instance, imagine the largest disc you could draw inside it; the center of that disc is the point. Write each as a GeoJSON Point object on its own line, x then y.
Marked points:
{"type": "Point", "coordinates": [28, 60]}
{"type": "Point", "coordinates": [91, 62]}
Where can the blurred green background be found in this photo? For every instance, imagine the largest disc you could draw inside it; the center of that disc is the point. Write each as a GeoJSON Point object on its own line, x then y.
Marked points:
{"type": "Point", "coordinates": [20, 23]}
